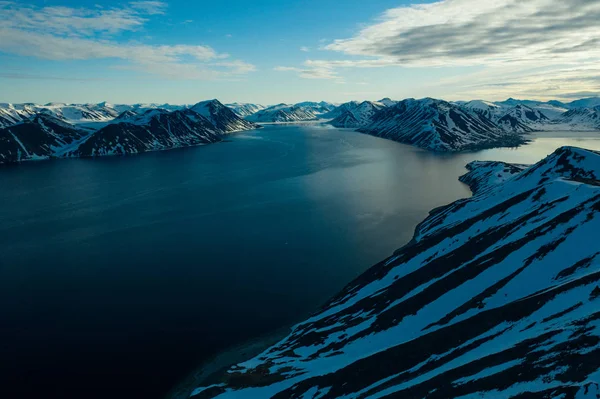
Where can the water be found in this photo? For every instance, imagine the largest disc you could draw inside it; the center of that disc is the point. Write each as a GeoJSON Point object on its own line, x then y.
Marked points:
{"type": "Point", "coordinates": [118, 276]}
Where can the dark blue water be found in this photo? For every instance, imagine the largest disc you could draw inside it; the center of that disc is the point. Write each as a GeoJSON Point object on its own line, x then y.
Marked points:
{"type": "Point", "coordinates": [120, 275]}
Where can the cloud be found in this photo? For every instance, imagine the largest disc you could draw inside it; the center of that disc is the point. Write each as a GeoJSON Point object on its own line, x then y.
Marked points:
{"type": "Point", "coordinates": [311, 73]}
{"type": "Point", "coordinates": [495, 35]}
{"type": "Point", "coordinates": [470, 32]}
{"type": "Point", "coordinates": [305, 49]}
{"type": "Point", "coordinates": [63, 33]}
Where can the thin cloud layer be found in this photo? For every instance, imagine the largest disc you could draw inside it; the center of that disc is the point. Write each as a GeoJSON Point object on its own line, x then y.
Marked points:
{"type": "Point", "coordinates": [64, 33]}
{"type": "Point", "coordinates": [495, 35]}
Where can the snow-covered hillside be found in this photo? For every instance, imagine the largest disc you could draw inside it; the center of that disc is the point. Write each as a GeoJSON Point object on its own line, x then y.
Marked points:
{"type": "Point", "coordinates": [245, 109]}
{"type": "Point", "coordinates": [437, 125]}
{"type": "Point", "coordinates": [40, 137]}
{"type": "Point", "coordinates": [497, 296]}
{"type": "Point", "coordinates": [284, 113]}
{"type": "Point", "coordinates": [578, 119]}
{"type": "Point", "coordinates": [357, 115]}
{"type": "Point", "coordinates": [222, 118]}
{"type": "Point", "coordinates": [522, 119]}
{"type": "Point", "coordinates": [137, 129]}
{"type": "Point", "coordinates": [154, 130]}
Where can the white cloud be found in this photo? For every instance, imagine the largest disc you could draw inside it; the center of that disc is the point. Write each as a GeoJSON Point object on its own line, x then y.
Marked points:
{"type": "Point", "coordinates": [63, 33]}
{"type": "Point", "coordinates": [305, 49]}
{"type": "Point", "coordinates": [494, 34]}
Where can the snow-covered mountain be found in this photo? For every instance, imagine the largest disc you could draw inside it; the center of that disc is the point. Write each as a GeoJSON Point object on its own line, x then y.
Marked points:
{"type": "Point", "coordinates": [488, 109]}
{"type": "Point", "coordinates": [496, 296]}
{"type": "Point", "coordinates": [40, 137]}
{"type": "Point", "coordinates": [578, 119]}
{"type": "Point", "coordinates": [48, 134]}
{"type": "Point", "coordinates": [357, 115]}
{"type": "Point", "coordinates": [388, 102]}
{"type": "Point", "coordinates": [522, 119]}
{"type": "Point", "coordinates": [591, 102]}
{"type": "Point", "coordinates": [154, 130]}
{"type": "Point", "coordinates": [284, 113]}
{"type": "Point", "coordinates": [437, 125]}
{"type": "Point", "coordinates": [317, 107]}
{"type": "Point", "coordinates": [245, 109]}
{"type": "Point", "coordinates": [222, 118]}
{"type": "Point", "coordinates": [340, 109]}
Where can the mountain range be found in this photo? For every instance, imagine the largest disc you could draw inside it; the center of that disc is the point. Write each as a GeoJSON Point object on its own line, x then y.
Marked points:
{"type": "Point", "coordinates": [31, 131]}
{"type": "Point", "coordinates": [55, 131]}
{"type": "Point", "coordinates": [496, 296]}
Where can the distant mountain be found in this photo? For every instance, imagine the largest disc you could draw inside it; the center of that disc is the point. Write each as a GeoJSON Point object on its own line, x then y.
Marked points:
{"type": "Point", "coordinates": [244, 109]}
{"type": "Point", "coordinates": [496, 296]}
{"type": "Point", "coordinates": [284, 113]}
{"type": "Point", "coordinates": [318, 108]}
{"type": "Point", "coordinates": [522, 119]}
{"type": "Point", "coordinates": [340, 109]}
{"type": "Point", "coordinates": [356, 116]}
{"type": "Point", "coordinates": [437, 125]}
{"type": "Point", "coordinates": [221, 117]}
{"type": "Point", "coordinates": [47, 133]}
{"type": "Point", "coordinates": [550, 109]}
{"type": "Point", "coordinates": [387, 102]}
{"type": "Point", "coordinates": [583, 119]}
{"type": "Point", "coordinates": [486, 108]}
{"type": "Point", "coordinates": [584, 103]}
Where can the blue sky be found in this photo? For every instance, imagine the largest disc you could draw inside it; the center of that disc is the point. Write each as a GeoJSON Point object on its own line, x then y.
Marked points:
{"type": "Point", "coordinates": [267, 51]}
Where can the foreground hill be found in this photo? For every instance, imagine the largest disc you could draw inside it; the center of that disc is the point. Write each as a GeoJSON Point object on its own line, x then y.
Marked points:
{"type": "Point", "coordinates": [438, 125]}
{"type": "Point", "coordinates": [48, 136]}
{"type": "Point", "coordinates": [497, 296]}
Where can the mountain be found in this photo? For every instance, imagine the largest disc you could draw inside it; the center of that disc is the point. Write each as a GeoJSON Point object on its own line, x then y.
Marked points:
{"type": "Point", "coordinates": [358, 116]}
{"type": "Point", "coordinates": [496, 296]}
{"type": "Point", "coordinates": [437, 125]}
{"type": "Point", "coordinates": [221, 117]}
{"type": "Point", "coordinates": [40, 137]}
{"type": "Point", "coordinates": [522, 119]}
{"type": "Point", "coordinates": [11, 114]}
{"type": "Point", "coordinates": [339, 110]}
{"type": "Point", "coordinates": [318, 108]}
{"type": "Point", "coordinates": [388, 102]}
{"type": "Point", "coordinates": [551, 109]}
{"type": "Point", "coordinates": [47, 133]}
{"type": "Point", "coordinates": [244, 109]}
{"type": "Point", "coordinates": [585, 103]}
{"type": "Point", "coordinates": [154, 130]}
{"type": "Point", "coordinates": [488, 109]}
{"type": "Point", "coordinates": [284, 113]}
{"type": "Point", "coordinates": [578, 119]}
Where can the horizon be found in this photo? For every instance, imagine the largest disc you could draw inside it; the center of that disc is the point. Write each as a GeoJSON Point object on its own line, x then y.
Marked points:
{"type": "Point", "coordinates": [4, 103]}
{"type": "Point", "coordinates": [127, 52]}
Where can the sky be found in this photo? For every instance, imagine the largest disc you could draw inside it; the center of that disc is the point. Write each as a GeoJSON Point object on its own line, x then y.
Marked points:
{"type": "Point", "coordinates": [273, 51]}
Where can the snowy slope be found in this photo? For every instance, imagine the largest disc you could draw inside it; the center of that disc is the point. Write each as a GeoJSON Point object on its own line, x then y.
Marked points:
{"type": "Point", "coordinates": [359, 116]}
{"type": "Point", "coordinates": [244, 109]}
{"type": "Point", "coordinates": [497, 296]}
{"type": "Point", "coordinates": [152, 131]}
{"type": "Point", "coordinates": [486, 108]}
{"type": "Point", "coordinates": [522, 119]}
{"type": "Point", "coordinates": [48, 134]}
{"type": "Point", "coordinates": [437, 125]}
{"type": "Point", "coordinates": [40, 137]}
{"type": "Point", "coordinates": [339, 110]}
{"type": "Point", "coordinates": [284, 113]}
{"type": "Point", "coordinates": [222, 118]}
{"type": "Point", "coordinates": [551, 109]}
{"type": "Point", "coordinates": [580, 119]}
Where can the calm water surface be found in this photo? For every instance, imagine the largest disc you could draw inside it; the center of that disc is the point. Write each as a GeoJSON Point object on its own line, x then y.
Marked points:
{"type": "Point", "coordinates": [120, 275]}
